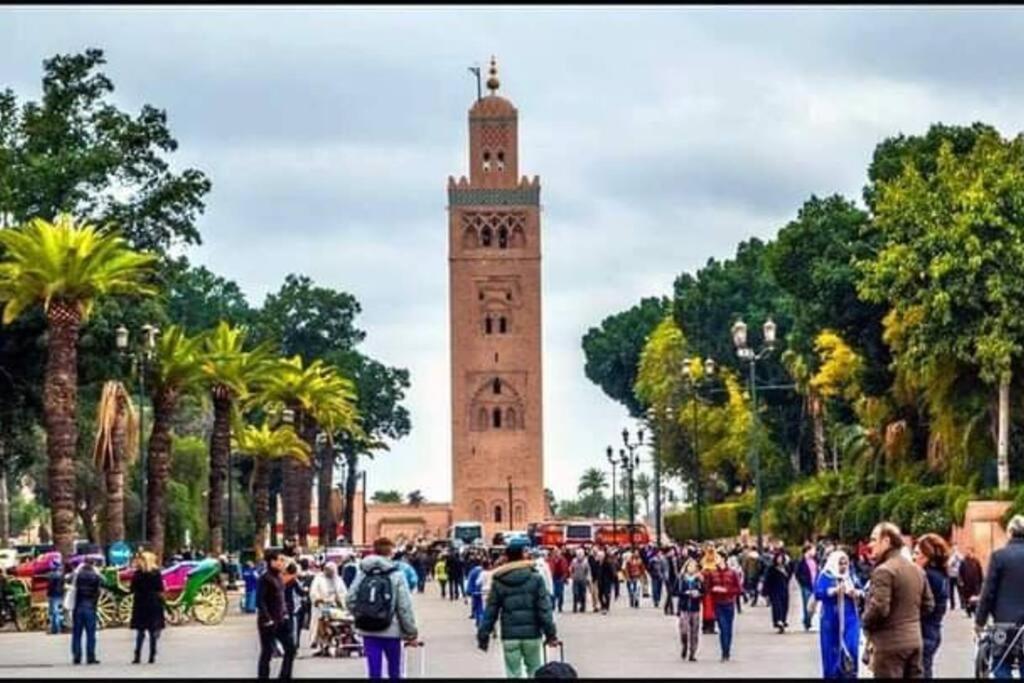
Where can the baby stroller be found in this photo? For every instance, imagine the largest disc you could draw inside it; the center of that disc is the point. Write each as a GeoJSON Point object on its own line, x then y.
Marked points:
{"type": "Point", "coordinates": [340, 633]}
{"type": "Point", "coordinates": [997, 644]}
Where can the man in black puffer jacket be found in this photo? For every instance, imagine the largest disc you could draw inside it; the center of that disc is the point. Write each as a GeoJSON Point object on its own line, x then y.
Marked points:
{"type": "Point", "coordinates": [520, 596]}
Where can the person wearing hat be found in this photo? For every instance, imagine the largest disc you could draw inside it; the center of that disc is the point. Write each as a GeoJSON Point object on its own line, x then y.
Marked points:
{"type": "Point", "coordinates": [55, 596]}
{"type": "Point", "coordinates": [521, 599]}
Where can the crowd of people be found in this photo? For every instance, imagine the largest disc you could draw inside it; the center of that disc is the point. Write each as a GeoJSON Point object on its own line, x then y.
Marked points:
{"type": "Point", "coordinates": [886, 599]}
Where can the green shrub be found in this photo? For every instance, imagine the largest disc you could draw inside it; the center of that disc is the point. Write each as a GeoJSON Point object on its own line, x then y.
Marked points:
{"type": "Point", "coordinates": [935, 520]}
{"type": "Point", "coordinates": [1017, 508]}
{"type": "Point", "coordinates": [869, 513]}
{"type": "Point", "coordinates": [960, 507]}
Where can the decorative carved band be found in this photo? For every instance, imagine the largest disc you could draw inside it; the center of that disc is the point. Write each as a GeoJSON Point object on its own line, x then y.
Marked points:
{"type": "Point", "coordinates": [520, 196]}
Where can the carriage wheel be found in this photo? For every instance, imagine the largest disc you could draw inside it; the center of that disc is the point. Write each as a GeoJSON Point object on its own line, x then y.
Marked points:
{"type": "Point", "coordinates": [211, 604]}
{"type": "Point", "coordinates": [38, 618]}
{"type": "Point", "coordinates": [106, 610]}
{"type": "Point", "coordinates": [124, 608]}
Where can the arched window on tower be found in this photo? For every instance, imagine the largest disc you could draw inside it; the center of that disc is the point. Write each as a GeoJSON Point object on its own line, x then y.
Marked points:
{"type": "Point", "coordinates": [488, 325]}
{"type": "Point", "coordinates": [510, 418]}
{"type": "Point", "coordinates": [496, 386]}
{"type": "Point", "coordinates": [470, 240]}
{"type": "Point", "coordinates": [497, 513]}
{"type": "Point", "coordinates": [502, 325]}
{"type": "Point", "coordinates": [503, 237]}
{"type": "Point", "coordinates": [501, 160]}
{"type": "Point", "coordinates": [481, 419]}
{"type": "Point", "coordinates": [487, 161]}
{"type": "Point", "coordinates": [496, 418]}
{"type": "Point", "coordinates": [486, 236]}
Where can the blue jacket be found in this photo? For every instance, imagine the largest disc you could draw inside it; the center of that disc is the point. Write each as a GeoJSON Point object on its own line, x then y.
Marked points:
{"type": "Point", "coordinates": [931, 624]}
{"type": "Point", "coordinates": [473, 584]}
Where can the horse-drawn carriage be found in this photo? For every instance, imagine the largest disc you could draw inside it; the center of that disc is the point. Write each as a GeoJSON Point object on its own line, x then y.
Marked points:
{"type": "Point", "coordinates": [192, 590]}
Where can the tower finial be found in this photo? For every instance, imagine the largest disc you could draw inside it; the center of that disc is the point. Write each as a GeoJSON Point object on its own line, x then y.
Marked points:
{"type": "Point", "coordinates": [492, 81]}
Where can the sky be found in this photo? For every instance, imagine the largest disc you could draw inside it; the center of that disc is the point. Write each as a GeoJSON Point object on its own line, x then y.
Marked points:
{"type": "Point", "coordinates": [662, 137]}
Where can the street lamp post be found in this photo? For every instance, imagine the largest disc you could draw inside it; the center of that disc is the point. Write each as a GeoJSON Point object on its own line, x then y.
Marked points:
{"type": "Point", "coordinates": [610, 453]}
{"type": "Point", "coordinates": [750, 356]}
{"type": "Point", "coordinates": [139, 360]}
{"type": "Point", "coordinates": [629, 462]}
{"type": "Point", "coordinates": [694, 386]}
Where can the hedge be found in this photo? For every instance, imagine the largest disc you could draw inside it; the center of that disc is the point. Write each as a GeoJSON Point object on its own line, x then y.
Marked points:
{"type": "Point", "coordinates": [719, 521]}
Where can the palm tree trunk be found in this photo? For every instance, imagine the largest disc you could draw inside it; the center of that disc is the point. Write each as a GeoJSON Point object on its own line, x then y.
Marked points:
{"type": "Point", "coordinates": [325, 519]}
{"type": "Point", "coordinates": [164, 405]}
{"type": "Point", "coordinates": [220, 450]}
{"type": "Point", "coordinates": [60, 403]}
{"type": "Point", "coordinates": [113, 523]}
{"type": "Point", "coordinates": [351, 460]}
{"type": "Point", "coordinates": [5, 505]}
{"type": "Point", "coordinates": [1003, 442]}
{"type": "Point", "coordinates": [261, 503]}
{"type": "Point", "coordinates": [290, 475]}
{"type": "Point", "coordinates": [818, 417]}
{"type": "Point", "coordinates": [305, 499]}
{"type": "Point", "coordinates": [305, 491]}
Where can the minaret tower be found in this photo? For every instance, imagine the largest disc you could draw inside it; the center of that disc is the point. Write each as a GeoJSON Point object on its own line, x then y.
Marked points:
{"type": "Point", "coordinates": [495, 318]}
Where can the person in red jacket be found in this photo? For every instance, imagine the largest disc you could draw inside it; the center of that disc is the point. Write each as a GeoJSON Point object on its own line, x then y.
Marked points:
{"type": "Point", "coordinates": [724, 587]}
{"type": "Point", "coordinates": [559, 566]}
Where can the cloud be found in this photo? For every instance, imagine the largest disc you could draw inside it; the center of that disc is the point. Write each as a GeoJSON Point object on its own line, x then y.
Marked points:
{"type": "Point", "coordinates": [662, 137]}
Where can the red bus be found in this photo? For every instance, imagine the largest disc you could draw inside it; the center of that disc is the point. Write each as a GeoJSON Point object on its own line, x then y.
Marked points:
{"type": "Point", "coordinates": [607, 533]}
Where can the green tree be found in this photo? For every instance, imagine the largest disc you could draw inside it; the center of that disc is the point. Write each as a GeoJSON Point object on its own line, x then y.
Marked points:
{"type": "Point", "coordinates": [812, 260]}
{"type": "Point", "coordinates": [65, 267]}
{"type": "Point", "coordinates": [309, 321]}
{"type": "Point", "coordinates": [950, 263]}
{"type": "Point", "coordinates": [613, 350]}
{"type": "Point", "coordinates": [416, 498]}
{"type": "Point", "coordinates": [264, 445]}
{"type": "Point", "coordinates": [176, 371]}
{"type": "Point", "coordinates": [198, 299]}
{"type": "Point", "coordinates": [391, 496]}
{"type": "Point", "coordinates": [74, 151]}
{"type": "Point", "coordinates": [232, 373]}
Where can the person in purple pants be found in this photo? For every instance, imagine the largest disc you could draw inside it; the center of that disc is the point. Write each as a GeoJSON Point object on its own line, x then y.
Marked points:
{"type": "Point", "coordinates": [386, 642]}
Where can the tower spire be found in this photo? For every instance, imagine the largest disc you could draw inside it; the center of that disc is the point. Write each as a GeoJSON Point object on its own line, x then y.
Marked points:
{"type": "Point", "coordinates": [492, 80]}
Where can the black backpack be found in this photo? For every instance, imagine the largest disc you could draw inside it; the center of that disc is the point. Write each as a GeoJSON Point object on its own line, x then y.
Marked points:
{"type": "Point", "coordinates": [375, 601]}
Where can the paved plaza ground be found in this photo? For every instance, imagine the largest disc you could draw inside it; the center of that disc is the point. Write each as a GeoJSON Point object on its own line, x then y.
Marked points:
{"type": "Point", "coordinates": [625, 643]}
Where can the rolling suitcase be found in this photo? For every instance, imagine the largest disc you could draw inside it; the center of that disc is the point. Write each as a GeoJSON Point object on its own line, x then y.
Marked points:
{"type": "Point", "coordinates": [422, 647]}
{"type": "Point", "coordinates": [557, 669]}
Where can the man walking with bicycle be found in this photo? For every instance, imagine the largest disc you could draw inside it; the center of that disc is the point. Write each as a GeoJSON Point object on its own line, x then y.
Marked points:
{"type": "Point", "coordinates": [1002, 598]}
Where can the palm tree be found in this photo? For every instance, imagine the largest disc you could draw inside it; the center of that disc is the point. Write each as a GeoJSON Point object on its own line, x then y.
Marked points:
{"type": "Point", "coordinates": [65, 267]}
{"type": "Point", "coordinates": [176, 370]}
{"type": "Point", "coordinates": [319, 398]}
{"type": "Point", "coordinates": [416, 498]}
{"type": "Point", "coordinates": [265, 445]}
{"type": "Point", "coordinates": [593, 482]}
{"type": "Point", "coordinates": [591, 490]}
{"type": "Point", "coordinates": [813, 406]}
{"type": "Point", "coordinates": [231, 373]}
{"type": "Point", "coordinates": [117, 443]}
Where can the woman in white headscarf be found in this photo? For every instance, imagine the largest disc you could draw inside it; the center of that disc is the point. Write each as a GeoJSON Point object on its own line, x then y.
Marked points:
{"type": "Point", "coordinates": [838, 591]}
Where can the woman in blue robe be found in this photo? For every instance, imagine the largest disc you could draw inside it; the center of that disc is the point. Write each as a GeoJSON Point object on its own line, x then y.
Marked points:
{"type": "Point", "coordinates": [837, 584]}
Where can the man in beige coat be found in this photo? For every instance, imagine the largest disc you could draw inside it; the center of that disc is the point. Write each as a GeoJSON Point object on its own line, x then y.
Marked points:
{"type": "Point", "coordinates": [897, 598]}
